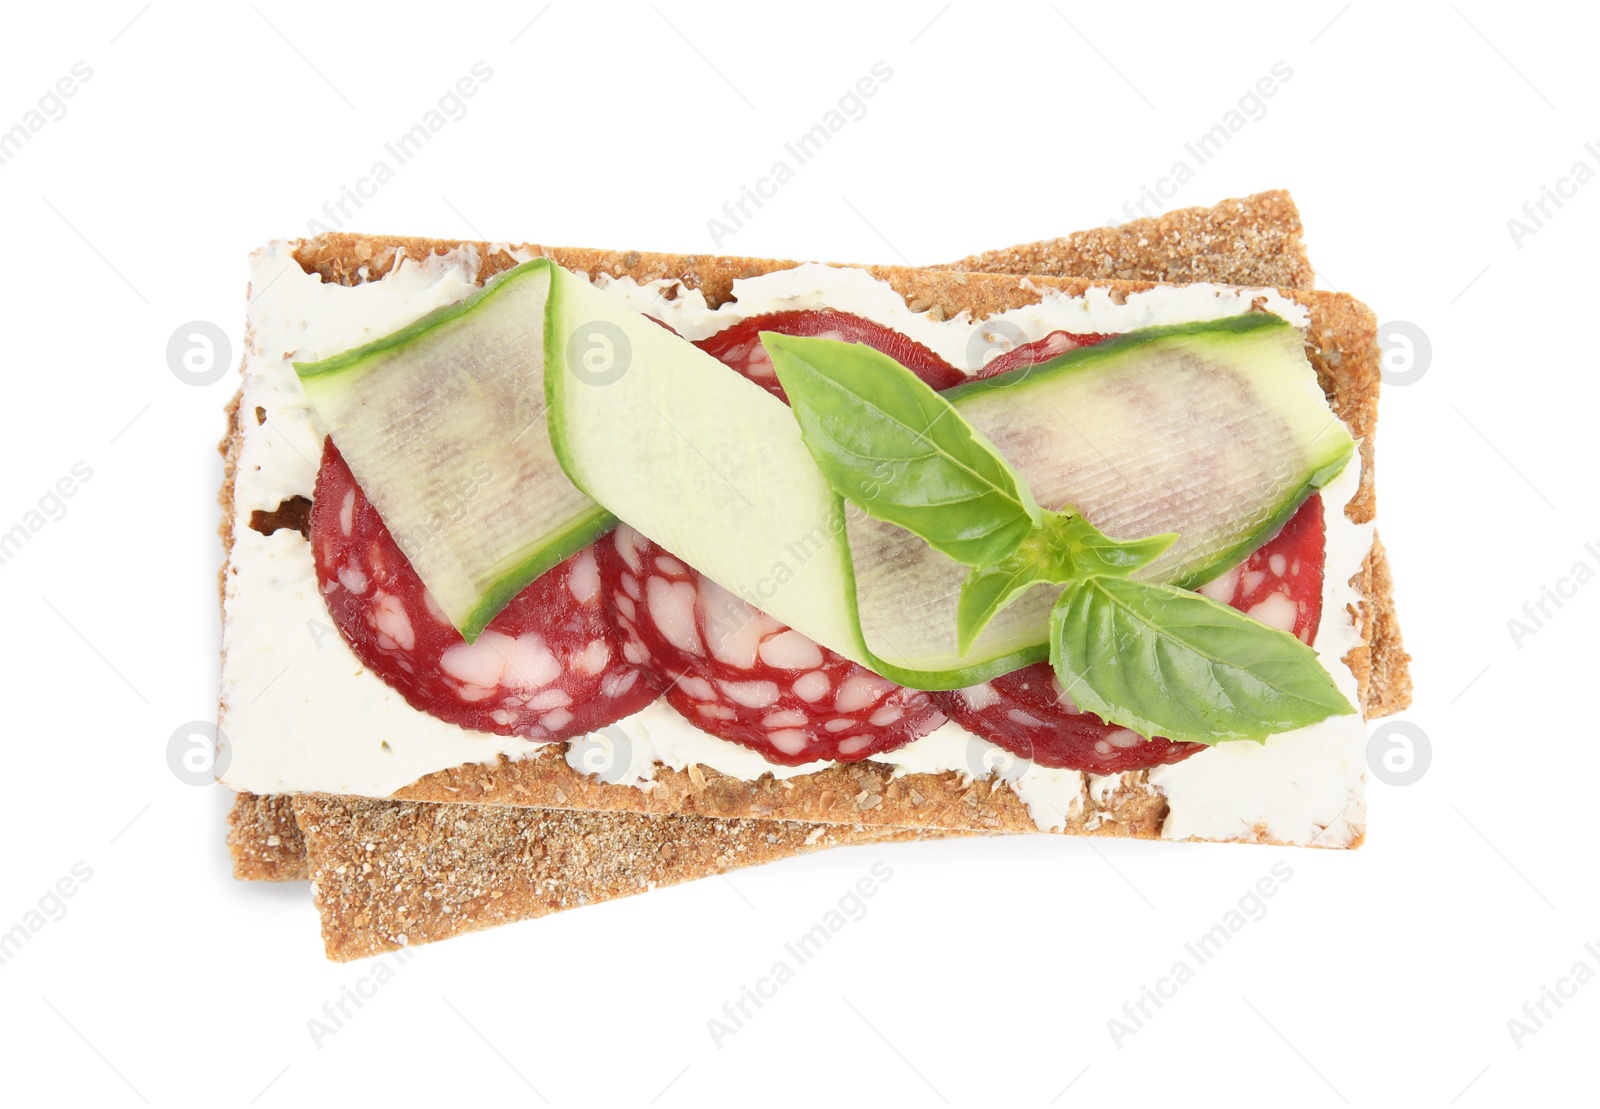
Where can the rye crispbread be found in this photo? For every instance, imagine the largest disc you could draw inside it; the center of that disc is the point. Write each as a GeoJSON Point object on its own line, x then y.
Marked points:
{"type": "Point", "coordinates": [1253, 241]}
{"type": "Point", "coordinates": [264, 839]}
{"type": "Point", "coordinates": [427, 872]}
{"type": "Point", "coordinates": [1149, 249]}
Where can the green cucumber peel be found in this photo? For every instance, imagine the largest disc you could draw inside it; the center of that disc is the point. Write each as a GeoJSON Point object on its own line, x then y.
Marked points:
{"type": "Point", "coordinates": [359, 361]}
{"type": "Point", "coordinates": [914, 461]}
{"type": "Point", "coordinates": [1087, 358]}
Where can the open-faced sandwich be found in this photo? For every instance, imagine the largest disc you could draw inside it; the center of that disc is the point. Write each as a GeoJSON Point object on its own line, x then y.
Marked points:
{"type": "Point", "coordinates": [726, 549]}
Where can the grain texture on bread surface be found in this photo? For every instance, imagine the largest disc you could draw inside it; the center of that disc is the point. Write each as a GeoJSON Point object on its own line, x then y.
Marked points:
{"type": "Point", "coordinates": [387, 875]}
{"type": "Point", "coordinates": [1255, 240]}
{"type": "Point", "coordinates": [264, 839]}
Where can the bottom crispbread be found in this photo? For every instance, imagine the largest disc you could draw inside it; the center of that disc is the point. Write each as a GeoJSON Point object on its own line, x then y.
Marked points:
{"type": "Point", "coordinates": [390, 874]}
{"type": "Point", "coordinates": [1389, 678]}
{"type": "Point", "coordinates": [265, 841]}
{"type": "Point", "coordinates": [448, 868]}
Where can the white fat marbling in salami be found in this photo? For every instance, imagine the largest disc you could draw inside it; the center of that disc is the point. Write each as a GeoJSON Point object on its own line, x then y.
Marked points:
{"type": "Point", "coordinates": [737, 673]}
{"type": "Point", "coordinates": [548, 667]}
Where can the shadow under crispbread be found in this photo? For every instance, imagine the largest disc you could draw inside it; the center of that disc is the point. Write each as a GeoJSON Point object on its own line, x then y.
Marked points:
{"type": "Point", "coordinates": [1253, 242]}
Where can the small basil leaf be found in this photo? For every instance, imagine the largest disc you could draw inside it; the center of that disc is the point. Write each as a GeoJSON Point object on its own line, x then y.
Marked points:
{"type": "Point", "coordinates": [1167, 662]}
{"type": "Point", "coordinates": [889, 443]}
{"type": "Point", "coordinates": [1092, 551]}
{"type": "Point", "coordinates": [988, 589]}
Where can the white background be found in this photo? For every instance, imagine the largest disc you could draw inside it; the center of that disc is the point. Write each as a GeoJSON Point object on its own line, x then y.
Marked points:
{"type": "Point", "coordinates": [984, 970]}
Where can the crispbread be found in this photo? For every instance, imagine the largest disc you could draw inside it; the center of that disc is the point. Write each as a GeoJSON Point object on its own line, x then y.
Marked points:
{"type": "Point", "coordinates": [1254, 241]}
{"type": "Point", "coordinates": [1389, 681]}
{"type": "Point", "coordinates": [264, 839]}
{"type": "Point", "coordinates": [426, 872]}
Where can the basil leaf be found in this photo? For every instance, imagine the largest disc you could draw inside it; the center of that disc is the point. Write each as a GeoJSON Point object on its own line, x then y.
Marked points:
{"type": "Point", "coordinates": [988, 589]}
{"type": "Point", "coordinates": [1092, 551]}
{"type": "Point", "coordinates": [1167, 662]}
{"type": "Point", "coordinates": [1064, 546]}
{"type": "Point", "coordinates": [886, 441]}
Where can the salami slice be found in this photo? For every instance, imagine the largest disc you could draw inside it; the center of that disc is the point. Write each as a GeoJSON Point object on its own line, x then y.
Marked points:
{"type": "Point", "coordinates": [737, 673]}
{"type": "Point", "coordinates": [1281, 583]}
{"type": "Point", "coordinates": [740, 345]}
{"type": "Point", "coordinates": [1053, 345]}
{"type": "Point", "coordinates": [1029, 714]}
{"type": "Point", "coordinates": [549, 666]}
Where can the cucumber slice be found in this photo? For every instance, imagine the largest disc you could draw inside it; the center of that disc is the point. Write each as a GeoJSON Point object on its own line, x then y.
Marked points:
{"type": "Point", "coordinates": [1217, 431]}
{"type": "Point", "coordinates": [702, 461]}
{"type": "Point", "coordinates": [443, 425]}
